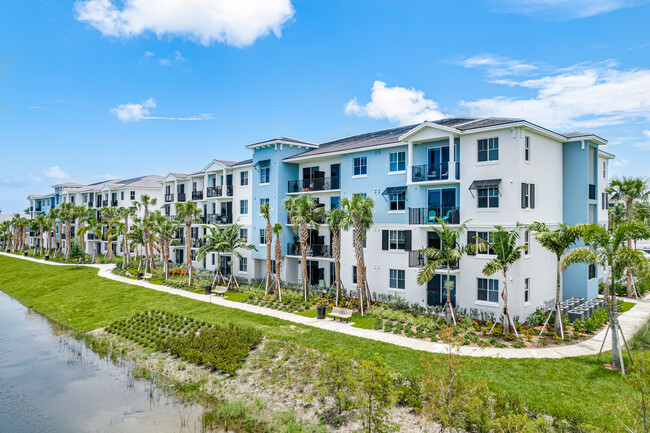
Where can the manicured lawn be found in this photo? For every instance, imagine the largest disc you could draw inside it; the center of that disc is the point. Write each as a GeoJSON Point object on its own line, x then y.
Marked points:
{"type": "Point", "coordinates": [84, 301]}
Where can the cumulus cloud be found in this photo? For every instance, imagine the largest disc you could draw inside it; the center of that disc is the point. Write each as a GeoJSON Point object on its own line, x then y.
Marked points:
{"type": "Point", "coordinates": [498, 66]}
{"type": "Point", "coordinates": [55, 172]}
{"type": "Point", "coordinates": [131, 112]}
{"type": "Point", "coordinates": [397, 104]}
{"type": "Point", "coordinates": [233, 22]}
{"type": "Point", "coordinates": [620, 162]}
{"type": "Point", "coordinates": [565, 9]}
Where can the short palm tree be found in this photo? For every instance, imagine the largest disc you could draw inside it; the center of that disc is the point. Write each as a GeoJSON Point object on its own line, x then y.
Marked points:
{"type": "Point", "coordinates": [189, 212]}
{"type": "Point", "coordinates": [304, 213]}
{"type": "Point", "coordinates": [80, 212]}
{"type": "Point", "coordinates": [67, 215]}
{"type": "Point", "coordinates": [616, 214]}
{"type": "Point", "coordinates": [109, 215]}
{"type": "Point", "coordinates": [113, 235]}
{"type": "Point", "coordinates": [165, 230]}
{"type": "Point", "coordinates": [359, 215]}
{"type": "Point", "coordinates": [608, 248]}
{"type": "Point", "coordinates": [214, 243]}
{"type": "Point", "coordinates": [277, 231]}
{"type": "Point", "coordinates": [136, 235]}
{"type": "Point", "coordinates": [91, 225]}
{"type": "Point", "coordinates": [449, 252]}
{"type": "Point", "coordinates": [5, 233]}
{"type": "Point", "coordinates": [265, 212]}
{"type": "Point", "coordinates": [557, 241]}
{"type": "Point", "coordinates": [336, 221]}
{"type": "Point", "coordinates": [629, 190]}
{"type": "Point", "coordinates": [124, 214]}
{"type": "Point", "coordinates": [33, 226]}
{"type": "Point", "coordinates": [144, 203]}
{"type": "Point", "coordinates": [53, 215]}
{"type": "Point", "coordinates": [503, 244]}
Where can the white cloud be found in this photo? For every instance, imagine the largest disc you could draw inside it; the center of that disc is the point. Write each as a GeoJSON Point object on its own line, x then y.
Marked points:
{"type": "Point", "coordinates": [131, 112]}
{"type": "Point", "coordinates": [647, 133]}
{"type": "Point", "coordinates": [498, 66]}
{"type": "Point", "coordinates": [397, 104]}
{"type": "Point", "coordinates": [148, 54]}
{"type": "Point", "coordinates": [55, 172]}
{"type": "Point", "coordinates": [620, 162]}
{"type": "Point", "coordinates": [233, 22]}
{"type": "Point", "coordinates": [565, 9]}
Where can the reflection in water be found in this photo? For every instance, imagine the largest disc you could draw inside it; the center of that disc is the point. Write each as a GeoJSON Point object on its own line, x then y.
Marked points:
{"type": "Point", "coordinates": [50, 382]}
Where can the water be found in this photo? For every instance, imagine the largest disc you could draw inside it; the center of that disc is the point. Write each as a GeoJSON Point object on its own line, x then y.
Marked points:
{"type": "Point", "coordinates": [50, 382]}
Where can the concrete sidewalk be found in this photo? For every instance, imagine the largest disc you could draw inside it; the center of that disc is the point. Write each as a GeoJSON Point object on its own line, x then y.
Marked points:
{"type": "Point", "coordinates": [630, 322]}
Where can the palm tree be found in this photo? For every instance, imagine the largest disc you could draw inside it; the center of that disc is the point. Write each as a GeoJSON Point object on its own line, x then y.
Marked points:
{"type": "Point", "coordinates": [616, 214]}
{"type": "Point", "coordinates": [91, 226]}
{"type": "Point", "coordinates": [359, 215]}
{"type": "Point", "coordinates": [277, 231]}
{"type": "Point", "coordinates": [449, 252]}
{"type": "Point", "coordinates": [165, 230]}
{"type": "Point", "coordinates": [109, 215]}
{"type": "Point", "coordinates": [144, 203]}
{"type": "Point", "coordinates": [124, 214]}
{"type": "Point", "coordinates": [80, 212]}
{"type": "Point", "coordinates": [53, 216]}
{"type": "Point", "coordinates": [190, 213]}
{"type": "Point", "coordinates": [629, 189]}
{"type": "Point", "coordinates": [227, 240]}
{"type": "Point", "coordinates": [335, 220]}
{"type": "Point", "coordinates": [5, 233]}
{"type": "Point", "coordinates": [214, 243]}
{"type": "Point", "coordinates": [608, 248]}
{"type": "Point", "coordinates": [34, 226]}
{"type": "Point", "coordinates": [557, 241]}
{"type": "Point", "coordinates": [117, 229]}
{"type": "Point", "coordinates": [136, 235]}
{"type": "Point", "coordinates": [265, 212]}
{"type": "Point", "coordinates": [504, 244]}
{"type": "Point", "coordinates": [67, 215]}
{"type": "Point", "coordinates": [304, 213]}
{"type": "Point", "coordinates": [43, 223]}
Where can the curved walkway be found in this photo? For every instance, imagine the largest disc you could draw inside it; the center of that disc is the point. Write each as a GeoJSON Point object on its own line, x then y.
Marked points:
{"type": "Point", "coordinates": [630, 322]}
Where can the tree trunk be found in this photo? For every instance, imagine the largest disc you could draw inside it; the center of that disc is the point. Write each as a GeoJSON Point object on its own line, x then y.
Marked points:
{"type": "Point", "coordinates": [361, 270]}
{"type": "Point", "coordinates": [304, 235]}
{"type": "Point", "coordinates": [59, 242]}
{"type": "Point", "coordinates": [268, 235]}
{"type": "Point", "coordinates": [558, 299]}
{"type": "Point", "coordinates": [110, 244]}
{"type": "Point", "coordinates": [41, 238]}
{"type": "Point", "coordinates": [630, 291]}
{"type": "Point", "coordinates": [336, 253]}
{"type": "Point", "coordinates": [68, 233]}
{"type": "Point", "coordinates": [278, 261]}
{"type": "Point", "coordinates": [610, 304]}
{"type": "Point", "coordinates": [188, 248]}
{"type": "Point", "coordinates": [450, 315]}
{"type": "Point", "coordinates": [507, 329]}
{"type": "Point", "coordinates": [127, 252]}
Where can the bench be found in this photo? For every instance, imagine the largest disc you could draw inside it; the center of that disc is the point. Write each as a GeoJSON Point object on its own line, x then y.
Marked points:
{"type": "Point", "coordinates": [220, 290]}
{"type": "Point", "coordinates": [341, 313]}
{"type": "Point", "coordinates": [146, 276]}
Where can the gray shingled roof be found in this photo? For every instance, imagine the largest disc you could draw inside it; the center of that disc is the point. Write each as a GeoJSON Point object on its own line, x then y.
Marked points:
{"type": "Point", "coordinates": [574, 134]}
{"type": "Point", "coordinates": [244, 162]}
{"type": "Point", "coordinates": [148, 181]}
{"type": "Point", "coordinates": [67, 184]}
{"type": "Point", "coordinates": [482, 123]}
{"type": "Point", "coordinates": [286, 139]}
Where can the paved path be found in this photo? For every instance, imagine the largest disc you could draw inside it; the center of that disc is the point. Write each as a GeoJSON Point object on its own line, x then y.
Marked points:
{"type": "Point", "coordinates": [630, 322]}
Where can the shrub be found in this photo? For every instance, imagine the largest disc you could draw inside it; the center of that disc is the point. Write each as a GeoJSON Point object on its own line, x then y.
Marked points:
{"type": "Point", "coordinates": [335, 377]}
{"type": "Point", "coordinates": [375, 395]}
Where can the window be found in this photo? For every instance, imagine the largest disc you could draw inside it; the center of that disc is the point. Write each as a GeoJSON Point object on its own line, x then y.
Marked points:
{"type": "Point", "coordinates": [262, 237]}
{"type": "Point", "coordinates": [193, 186]}
{"type": "Point", "coordinates": [354, 275]}
{"type": "Point", "coordinates": [604, 170]}
{"type": "Point", "coordinates": [486, 237]}
{"type": "Point", "coordinates": [193, 255]}
{"type": "Point", "coordinates": [243, 178]}
{"type": "Point", "coordinates": [527, 195]}
{"type": "Point", "coordinates": [488, 197]}
{"type": "Point", "coordinates": [527, 148]}
{"type": "Point", "coordinates": [263, 201]}
{"type": "Point", "coordinates": [243, 235]}
{"type": "Point", "coordinates": [592, 272]}
{"type": "Point", "coordinates": [488, 149]}
{"type": "Point", "coordinates": [213, 258]}
{"type": "Point", "coordinates": [265, 174]}
{"type": "Point", "coordinates": [243, 264]}
{"type": "Point", "coordinates": [397, 201]}
{"type": "Point", "coordinates": [243, 207]}
{"type": "Point", "coordinates": [168, 189]}
{"type": "Point", "coordinates": [132, 195]}
{"type": "Point", "coordinates": [397, 277]}
{"type": "Point", "coordinates": [334, 202]}
{"type": "Point", "coordinates": [122, 195]}
{"type": "Point", "coordinates": [603, 198]}
{"type": "Point", "coordinates": [527, 290]}
{"type": "Point", "coordinates": [360, 166]}
{"type": "Point", "coordinates": [397, 161]}
{"type": "Point", "coordinates": [527, 242]}
{"type": "Point", "coordinates": [396, 239]}
{"type": "Point", "coordinates": [488, 290]}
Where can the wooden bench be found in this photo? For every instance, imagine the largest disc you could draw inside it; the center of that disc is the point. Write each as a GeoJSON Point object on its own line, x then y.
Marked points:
{"type": "Point", "coordinates": [220, 290]}
{"type": "Point", "coordinates": [146, 276]}
{"type": "Point", "coordinates": [341, 313]}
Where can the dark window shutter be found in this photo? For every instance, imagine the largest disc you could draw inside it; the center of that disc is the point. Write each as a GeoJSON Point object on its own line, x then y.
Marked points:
{"type": "Point", "coordinates": [523, 196]}
{"type": "Point", "coordinates": [532, 196]}
{"type": "Point", "coordinates": [384, 240]}
{"type": "Point", "coordinates": [471, 240]}
{"type": "Point", "coordinates": [407, 240]}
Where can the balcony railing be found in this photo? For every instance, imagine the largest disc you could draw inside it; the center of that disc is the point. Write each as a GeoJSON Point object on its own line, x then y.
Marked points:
{"type": "Point", "coordinates": [114, 203]}
{"type": "Point", "coordinates": [592, 192]}
{"type": "Point", "coordinates": [178, 242]}
{"type": "Point", "coordinates": [197, 195]}
{"type": "Point", "coordinates": [105, 203]}
{"type": "Point", "coordinates": [169, 198]}
{"type": "Point", "coordinates": [181, 196]}
{"type": "Point", "coordinates": [220, 190]}
{"type": "Point", "coordinates": [429, 172]}
{"type": "Point", "coordinates": [428, 215]}
{"type": "Point", "coordinates": [313, 250]}
{"type": "Point", "coordinates": [198, 243]}
{"type": "Point", "coordinates": [315, 184]}
{"type": "Point", "coordinates": [225, 218]}
{"type": "Point", "coordinates": [417, 260]}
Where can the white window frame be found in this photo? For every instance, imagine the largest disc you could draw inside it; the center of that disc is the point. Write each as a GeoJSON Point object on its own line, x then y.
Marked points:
{"type": "Point", "coordinates": [362, 166]}
{"type": "Point", "coordinates": [265, 175]}
{"type": "Point", "coordinates": [490, 194]}
{"type": "Point", "coordinates": [395, 239]}
{"type": "Point", "coordinates": [491, 144]}
{"type": "Point", "coordinates": [262, 237]}
{"type": "Point", "coordinates": [243, 265]}
{"type": "Point", "coordinates": [400, 160]}
{"type": "Point", "coordinates": [526, 291]}
{"type": "Point", "coordinates": [243, 207]}
{"type": "Point", "coordinates": [243, 234]}
{"type": "Point", "coordinates": [395, 199]}
{"type": "Point", "coordinates": [527, 149]}
{"type": "Point", "coordinates": [492, 287]}
{"type": "Point", "coordinates": [243, 178]}
{"type": "Point", "coordinates": [527, 242]}
{"type": "Point", "coordinates": [397, 278]}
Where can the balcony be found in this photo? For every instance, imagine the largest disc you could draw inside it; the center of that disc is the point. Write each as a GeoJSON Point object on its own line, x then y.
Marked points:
{"type": "Point", "coordinates": [417, 260]}
{"type": "Point", "coordinates": [225, 218]}
{"type": "Point", "coordinates": [315, 184]}
{"type": "Point", "coordinates": [592, 192]}
{"type": "Point", "coordinates": [90, 204]}
{"type": "Point", "coordinates": [181, 196]}
{"type": "Point", "coordinates": [213, 191]}
{"type": "Point", "coordinates": [313, 250]}
{"type": "Point", "coordinates": [220, 191]}
{"type": "Point", "coordinates": [429, 173]}
{"type": "Point", "coordinates": [197, 195]}
{"type": "Point", "coordinates": [114, 203]}
{"type": "Point", "coordinates": [105, 203]}
{"type": "Point", "coordinates": [428, 215]}
{"type": "Point", "coordinates": [178, 242]}
{"type": "Point", "coordinates": [169, 198]}
{"type": "Point", "coordinates": [197, 243]}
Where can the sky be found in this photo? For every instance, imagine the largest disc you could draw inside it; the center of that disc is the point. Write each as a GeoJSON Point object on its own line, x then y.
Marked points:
{"type": "Point", "coordinates": [98, 89]}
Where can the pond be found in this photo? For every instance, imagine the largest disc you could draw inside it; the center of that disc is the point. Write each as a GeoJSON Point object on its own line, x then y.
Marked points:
{"type": "Point", "coordinates": [51, 382]}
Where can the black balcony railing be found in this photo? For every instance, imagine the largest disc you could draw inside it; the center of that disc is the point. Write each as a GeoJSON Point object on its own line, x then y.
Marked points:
{"type": "Point", "coordinates": [105, 203]}
{"type": "Point", "coordinates": [220, 191]}
{"type": "Point", "coordinates": [225, 218]}
{"type": "Point", "coordinates": [169, 198]}
{"type": "Point", "coordinates": [197, 195]}
{"type": "Point", "coordinates": [198, 243]}
{"type": "Point", "coordinates": [429, 172]}
{"type": "Point", "coordinates": [114, 203]}
{"type": "Point", "coordinates": [592, 192]}
{"type": "Point", "coordinates": [428, 215]}
{"type": "Point", "coordinates": [313, 250]}
{"type": "Point", "coordinates": [315, 184]}
{"type": "Point", "coordinates": [417, 260]}
{"type": "Point", "coordinates": [181, 196]}
{"type": "Point", "coordinates": [211, 191]}
{"type": "Point", "coordinates": [229, 190]}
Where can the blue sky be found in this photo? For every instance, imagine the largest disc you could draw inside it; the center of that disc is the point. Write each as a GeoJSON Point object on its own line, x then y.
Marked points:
{"type": "Point", "coordinates": [105, 88]}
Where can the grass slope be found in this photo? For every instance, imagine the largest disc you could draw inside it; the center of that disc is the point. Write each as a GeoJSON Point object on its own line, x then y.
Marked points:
{"type": "Point", "coordinates": [572, 387]}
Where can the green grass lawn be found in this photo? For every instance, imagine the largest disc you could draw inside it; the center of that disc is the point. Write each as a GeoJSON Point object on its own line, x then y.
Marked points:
{"type": "Point", "coordinates": [82, 300]}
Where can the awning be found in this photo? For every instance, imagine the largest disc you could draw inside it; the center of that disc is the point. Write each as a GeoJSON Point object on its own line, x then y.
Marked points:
{"type": "Point", "coordinates": [262, 164]}
{"type": "Point", "coordinates": [489, 183]}
{"type": "Point", "coordinates": [394, 190]}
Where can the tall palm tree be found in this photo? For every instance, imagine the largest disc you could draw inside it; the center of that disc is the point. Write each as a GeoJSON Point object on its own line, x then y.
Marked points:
{"type": "Point", "coordinates": [277, 231]}
{"type": "Point", "coordinates": [117, 229]}
{"type": "Point", "coordinates": [265, 212]}
{"type": "Point", "coordinates": [557, 241]}
{"type": "Point", "coordinates": [214, 243]}
{"type": "Point", "coordinates": [608, 248]}
{"type": "Point", "coordinates": [359, 215]}
{"type": "Point", "coordinates": [165, 230]}
{"type": "Point", "coordinates": [53, 215]}
{"type": "Point", "coordinates": [136, 235]}
{"type": "Point", "coordinates": [109, 215]}
{"type": "Point", "coordinates": [616, 214]}
{"type": "Point", "coordinates": [5, 233]}
{"type": "Point", "coordinates": [124, 214]}
{"type": "Point", "coordinates": [304, 214]}
{"type": "Point", "coordinates": [91, 225]}
{"type": "Point", "coordinates": [33, 226]}
{"type": "Point", "coordinates": [43, 224]}
{"type": "Point", "coordinates": [629, 190]}
{"type": "Point", "coordinates": [67, 215]}
{"type": "Point", "coordinates": [227, 240]}
{"type": "Point", "coordinates": [336, 221]}
{"type": "Point", "coordinates": [190, 213]}
{"type": "Point", "coordinates": [449, 252]}
{"type": "Point", "coordinates": [144, 203]}
{"type": "Point", "coordinates": [80, 212]}
{"type": "Point", "coordinates": [504, 245]}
